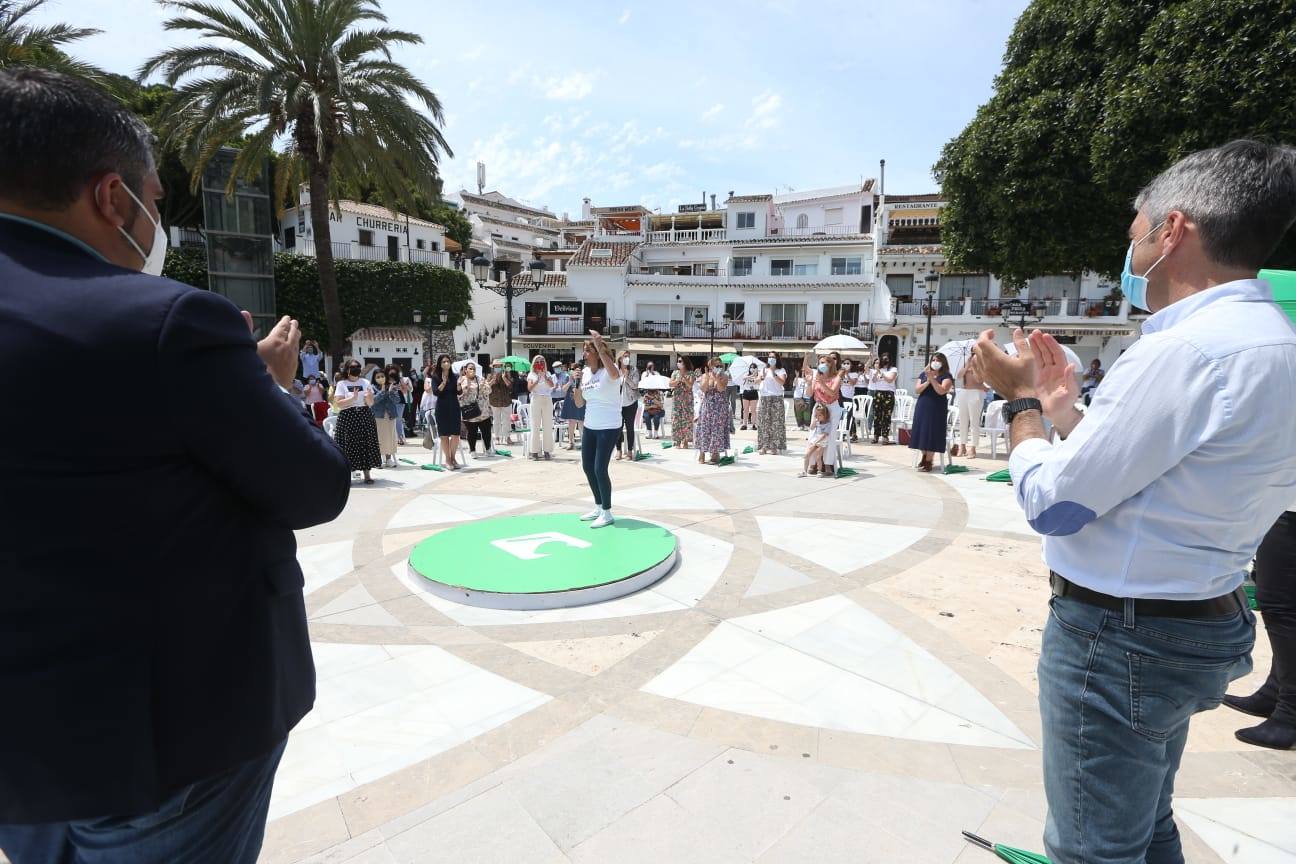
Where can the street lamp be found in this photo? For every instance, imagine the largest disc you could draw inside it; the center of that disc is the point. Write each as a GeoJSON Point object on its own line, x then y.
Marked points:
{"type": "Point", "coordinates": [442, 316]}
{"type": "Point", "coordinates": [711, 326]}
{"type": "Point", "coordinates": [504, 287]}
{"type": "Point", "coordinates": [932, 280]}
{"type": "Point", "coordinates": [1020, 309]}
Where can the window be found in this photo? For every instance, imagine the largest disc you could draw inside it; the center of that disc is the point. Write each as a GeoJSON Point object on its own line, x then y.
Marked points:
{"type": "Point", "coordinates": [900, 285]}
{"type": "Point", "coordinates": [735, 311]}
{"type": "Point", "coordinates": [847, 266]}
{"type": "Point", "coordinates": [366, 238]}
{"type": "Point", "coordinates": [806, 268]}
{"type": "Point", "coordinates": [781, 267]}
{"type": "Point", "coordinates": [746, 220]}
{"type": "Point", "coordinates": [803, 221]}
{"type": "Point", "coordinates": [832, 216]}
{"type": "Point", "coordinates": [421, 244]}
{"type": "Point", "coordinates": [839, 315]}
{"type": "Point", "coordinates": [290, 238]}
{"type": "Point", "coordinates": [784, 319]}
{"type": "Point", "coordinates": [956, 285]}
{"type": "Point", "coordinates": [1053, 287]}
{"type": "Point", "coordinates": [742, 265]}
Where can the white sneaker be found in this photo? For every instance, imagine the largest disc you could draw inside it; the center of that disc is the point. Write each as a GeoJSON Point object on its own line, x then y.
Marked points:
{"type": "Point", "coordinates": [592, 515]}
{"type": "Point", "coordinates": [604, 519]}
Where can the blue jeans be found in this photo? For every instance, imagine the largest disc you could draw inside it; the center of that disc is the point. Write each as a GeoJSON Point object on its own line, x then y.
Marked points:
{"type": "Point", "coordinates": [220, 820]}
{"type": "Point", "coordinates": [596, 452]}
{"type": "Point", "coordinates": [1116, 695]}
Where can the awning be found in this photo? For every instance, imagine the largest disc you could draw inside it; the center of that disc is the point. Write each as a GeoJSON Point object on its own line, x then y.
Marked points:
{"type": "Point", "coordinates": [683, 346]}
{"type": "Point", "coordinates": [1086, 329]}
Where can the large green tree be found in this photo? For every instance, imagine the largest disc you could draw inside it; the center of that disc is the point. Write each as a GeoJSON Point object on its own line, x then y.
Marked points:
{"type": "Point", "coordinates": [316, 76]}
{"type": "Point", "coordinates": [24, 43]}
{"type": "Point", "coordinates": [1095, 98]}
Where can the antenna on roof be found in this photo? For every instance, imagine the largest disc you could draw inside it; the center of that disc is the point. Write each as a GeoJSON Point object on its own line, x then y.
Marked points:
{"type": "Point", "coordinates": [481, 177]}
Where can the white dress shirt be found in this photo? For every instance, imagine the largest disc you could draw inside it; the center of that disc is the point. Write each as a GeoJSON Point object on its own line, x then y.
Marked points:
{"type": "Point", "coordinates": [1183, 461]}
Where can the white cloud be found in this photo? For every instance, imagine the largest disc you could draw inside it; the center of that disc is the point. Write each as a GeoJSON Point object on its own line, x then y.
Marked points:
{"type": "Point", "coordinates": [712, 112]}
{"type": "Point", "coordinates": [765, 108]}
{"type": "Point", "coordinates": [569, 88]}
{"type": "Point", "coordinates": [474, 53]}
{"type": "Point", "coordinates": [625, 17]}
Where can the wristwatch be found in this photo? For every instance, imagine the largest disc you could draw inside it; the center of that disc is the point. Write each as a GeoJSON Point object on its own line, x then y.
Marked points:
{"type": "Point", "coordinates": [1017, 406]}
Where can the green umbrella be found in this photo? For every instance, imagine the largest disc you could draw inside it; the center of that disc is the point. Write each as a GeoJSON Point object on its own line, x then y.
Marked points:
{"type": "Point", "coordinates": [846, 472]}
{"type": "Point", "coordinates": [430, 467]}
{"type": "Point", "coordinates": [1000, 477]}
{"type": "Point", "coordinates": [748, 449]}
{"type": "Point", "coordinates": [956, 469]}
{"type": "Point", "coordinates": [500, 451]}
{"type": "Point", "coordinates": [729, 357]}
{"type": "Point", "coordinates": [1010, 854]}
{"type": "Point", "coordinates": [666, 445]}
{"type": "Point", "coordinates": [516, 363]}
{"type": "Point", "coordinates": [639, 457]}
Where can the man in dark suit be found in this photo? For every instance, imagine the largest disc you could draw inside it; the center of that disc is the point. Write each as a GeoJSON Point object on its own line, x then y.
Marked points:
{"type": "Point", "coordinates": [153, 642]}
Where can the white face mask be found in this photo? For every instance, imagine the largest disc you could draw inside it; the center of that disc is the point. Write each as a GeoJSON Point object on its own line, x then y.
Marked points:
{"type": "Point", "coordinates": [625, 361]}
{"type": "Point", "coordinates": [936, 365]}
{"type": "Point", "coordinates": [156, 256]}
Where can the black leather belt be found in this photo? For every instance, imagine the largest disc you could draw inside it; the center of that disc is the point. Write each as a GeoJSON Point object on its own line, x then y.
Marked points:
{"type": "Point", "coordinates": [1216, 607]}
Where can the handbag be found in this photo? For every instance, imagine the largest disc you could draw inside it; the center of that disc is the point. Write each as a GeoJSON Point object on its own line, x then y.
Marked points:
{"type": "Point", "coordinates": [904, 436]}
{"type": "Point", "coordinates": [471, 411]}
{"type": "Point", "coordinates": [429, 442]}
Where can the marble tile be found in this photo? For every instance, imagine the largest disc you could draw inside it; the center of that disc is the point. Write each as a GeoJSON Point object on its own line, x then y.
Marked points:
{"type": "Point", "coordinates": [834, 665]}
{"type": "Point", "coordinates": [701, 561]}
{"type": "Point", "coordinates": [589, 655]}
{"type": "Point", "coordinates": [392, 542]}
{"type": "Point", "coordinates": [491, 827]}
{"type": "Point", "coordinates": [1243, 830]}
{"type": "Point", "coordinates": [839, 545]}
{"type": "Point", "coordinates": [324, 563]}
{"type": "Point", "coordinates": [666, 496]}
{"type": "Point", "coordinates": [443, 509]}
{"type": "Point", "coordinates": [659, 831]}
{"type": "Point", "coordinates": [377, 711]}
{"type": "Point", "coordinates": [991, 506]}
{"type": "Point", "coordinates": [352, 598]}
{"type": "Point", "coordinates": [773, 577]}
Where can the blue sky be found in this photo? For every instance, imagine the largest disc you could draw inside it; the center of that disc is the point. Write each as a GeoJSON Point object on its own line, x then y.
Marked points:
{"type": "Point", "coordinates": [653, 103]}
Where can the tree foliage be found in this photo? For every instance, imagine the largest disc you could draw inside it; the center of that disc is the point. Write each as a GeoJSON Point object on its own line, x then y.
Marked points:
{"type": "Point", "coordinates": [23, 43]}
{"type": "Point", "coordinates": [373, 293]}
{"type": "Point", "coordinates": [1095, 98]}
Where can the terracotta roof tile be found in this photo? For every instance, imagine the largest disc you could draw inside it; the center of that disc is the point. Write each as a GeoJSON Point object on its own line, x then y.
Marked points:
{"type": "Point", "coordinates": [620, 254]}
{"type": "Point", "coordinates": [380, 212]}
{"type": "Point", "coordinates": [748, 199]}
{"type": "Point", "coordinates": [498, 199]}
{"type": "Point", "coordinates": [911, 250]}
{"type": "Point", "coordinates": [551, 280]}
{"type": "Point", "coordinates": [387, 334]}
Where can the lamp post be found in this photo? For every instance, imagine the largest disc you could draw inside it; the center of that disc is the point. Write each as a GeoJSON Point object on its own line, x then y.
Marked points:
{"type": "Point", "coordinates": [932, 280]}
{"type": "Point", "coordinates": [711, 326]}
{"type": "Point", "coordinates": [1021, 309]}
{"type": "Point", "coordinates": [504, 287]}
{"type": "Point", "coordinates": [442, 316]}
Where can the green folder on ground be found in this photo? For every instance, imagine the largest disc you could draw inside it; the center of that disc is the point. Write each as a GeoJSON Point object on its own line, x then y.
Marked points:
{"type": "Point", "coordinates": [431, 467]}
{"type": "Point", "coordinates": [666, 445]}
{"type": "Point", "coordinates": [726, 460]}
{"type": "Point", "coordinates": [408, 461]}
{"type": "Point", "coordinates": [1001, 476]}
{"type": "Point", "coordinates": [500, 451]}
{"type": "Point", "coordinates": [748, 449]}
{"type": "Point", "coordinates": [846, 472]}
{"type": "Point", "coordinates": [956, 469]}
{"type": "Point", "coordinates": [639, 457]}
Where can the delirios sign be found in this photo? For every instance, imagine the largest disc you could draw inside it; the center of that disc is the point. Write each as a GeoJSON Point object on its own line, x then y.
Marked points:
{"type": "Point", "coordinates": [564, 307]}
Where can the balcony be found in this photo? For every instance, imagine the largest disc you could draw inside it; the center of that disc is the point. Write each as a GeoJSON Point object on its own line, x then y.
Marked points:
{"type": "Point", "coordinates": [545, 326]}
{"type": "Point", "coordinates": [767, 331]}
{"type": "Point", "coordinates": [815, 231]}
{"type": "Point", "coordinates": [712, 276]}
{"type": "Point", "coordinates": [357, 252]}
{"type": "Point", "coordinates": [691, 235]}
{"type": "Point", "coordinates": [994, 307]}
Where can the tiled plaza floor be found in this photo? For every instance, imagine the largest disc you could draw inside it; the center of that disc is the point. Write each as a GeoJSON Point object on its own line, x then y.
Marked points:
{"type": "Point", "coordinates": [836, 670]}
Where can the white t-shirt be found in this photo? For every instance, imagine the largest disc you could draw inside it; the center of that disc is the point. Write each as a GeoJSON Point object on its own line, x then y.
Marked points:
{"type": "Point", "coordinates": [877, 382]}
{"type": "Point", "coordinates": [849, 381]}
{"type": "Point", "coordinates": [772, 381]}
{"type": "Point", "coordinates": [542, 385]}
{"type": "Point", "coordinates": [602, 399]}
{"type": "Point", "coordinates": [345, 388]}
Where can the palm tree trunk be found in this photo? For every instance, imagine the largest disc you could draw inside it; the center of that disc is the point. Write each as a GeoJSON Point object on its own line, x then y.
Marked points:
{"type": "Point", "coordinates": [319, 204]}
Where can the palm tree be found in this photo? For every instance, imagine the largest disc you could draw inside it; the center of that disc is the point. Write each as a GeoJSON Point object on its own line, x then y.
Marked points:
{"type": "Point", "coordinates": [305, 73]}
{"type": "Point", "coordinates": [24, 44]}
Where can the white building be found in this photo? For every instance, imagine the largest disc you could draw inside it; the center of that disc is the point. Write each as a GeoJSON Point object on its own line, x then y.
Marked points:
{"type": "Point", "coordinates": [367, 232]}
{"type": "Point", "coordinates": [1079, 309]}
{"type": "Point", "coordinates": [768, 272]}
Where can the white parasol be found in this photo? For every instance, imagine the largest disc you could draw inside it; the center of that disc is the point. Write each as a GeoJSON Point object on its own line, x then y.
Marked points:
{"type": "Point", "coordinates": [458, 365]}
{"type": "Point", "coordinates": [738, 368]}
{"type": "Point", "coordinates": [654, 381]}
{"type": "Point", "coordinates": [959, 352]}
{"type": "Point", "coordinates": [840, 342]}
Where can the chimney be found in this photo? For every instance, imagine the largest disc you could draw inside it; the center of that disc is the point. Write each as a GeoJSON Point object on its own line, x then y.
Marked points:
{"type": "Point", "coordinates": [882, 182]}
{"type": "Point", "coordinates": [712, 200]}
{"type": "Point", "coordinates": [730, 193]}
{"type": "Point", "coordinates": [586, 213]}
{"type": "Point", "coordinates": [565, 219]}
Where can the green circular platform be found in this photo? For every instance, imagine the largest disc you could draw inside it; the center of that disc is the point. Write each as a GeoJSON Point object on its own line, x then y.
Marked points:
{"type": "Point", "coordinates": [546, 561]}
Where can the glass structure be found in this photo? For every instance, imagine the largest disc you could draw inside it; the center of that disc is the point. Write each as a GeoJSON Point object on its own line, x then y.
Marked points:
{"type": "Point", "coordinates": [240, 245]}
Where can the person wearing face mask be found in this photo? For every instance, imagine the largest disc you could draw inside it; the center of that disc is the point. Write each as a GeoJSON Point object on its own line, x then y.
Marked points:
{"type": "Point", "coordinates": [155, 658]}
{"type": "Point", "coordinates": [714, 422]}
{"type": "Point", "coordinates": [601, 391]}
{"type": "Point", "coordinates": [1148, 623]}
{"type": "Point", "coordinates": [573, 407]}
{"type": "Point", "coordinates": [931, 410]}
{"type": "Point", "coordinates": [501, 402]}
{"type": "Point", "coordinates": [449, 418]}
{"type": "Point", "coordinates": [850, 380]}
{"type": "Point", "coordinates": [629, 407]}
{"type": "Point", "coordinates": [882, 386]}
{"type": "Point", "coordinates": [801, 404]}
{"type": "Point", "coordinates": [682, 408]}
{"type": "Point", "coordinates": [825, 387]}
{"type": "Point", "coordinates": [386, 407]}
{"type": "Point", "coordinates": [357, 427]}
{"type": "Point", "coordinates": [540, 384]}
{"type": "Point", "coordinates": [654, 406]}
{"type": "Point", "coordinates": [771, 429]}
{"type": "Point", "coordinates": [474, 408]}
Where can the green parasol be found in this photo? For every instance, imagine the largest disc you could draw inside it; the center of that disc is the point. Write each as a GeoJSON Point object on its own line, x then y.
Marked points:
{"type": "Point", "coordinates": [408, 461]}
{"type": "Point", "coordinates": [846, 472]}
{"type": "Point", "coordinates": [729, 357]}
{"type": "Point", "coordinates": [516, 363]}
{"type": "Point", "coordinates": [725, 460]}
{"type": "Point", "coordinates": [429, 467]}
{"type": "Point", "coordinates": [640, 456]}
{"type": "Point", "coordinates": [500, 451]}
{"type": "Point", "coordinates": [956, 469]}
{"type": "Point", "coordinates": [1010, 854]}
{"type": "Point", "coordinates": [748, 449]}
{"type": "Point", "coordinates": [1000, 477]}
{"type": "Point", "coordinates": [666, 445]}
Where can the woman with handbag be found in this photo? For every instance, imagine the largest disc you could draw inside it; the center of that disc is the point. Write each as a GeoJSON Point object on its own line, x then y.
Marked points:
{"type": "Point", "coordinates": [501, 402]}
{"type": "Point", "coordinates": [474, 407]}
{"type": "Point", "coordinates": [387, 409]}
{"type": "Point", "coordinates": [573, 407]}
{"type": "Point", "coordinates": [445, 386]}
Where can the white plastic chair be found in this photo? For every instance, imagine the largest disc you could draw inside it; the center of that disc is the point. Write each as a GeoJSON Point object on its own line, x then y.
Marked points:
{"type": "Point", "coordinates": [951, 422]}
{"type": "Point", "coordinates": [843, 433]}
{"type": "Point", "coordinates": [864, 414]}
{"type": "Point", "coordinates": [330, 425]}
{"type": "Point", "coordinates": [902, 416]}
{"type": "Point", "coordinates": [992, 424]}
{"type": "Point", "coordinates": [523, 427]}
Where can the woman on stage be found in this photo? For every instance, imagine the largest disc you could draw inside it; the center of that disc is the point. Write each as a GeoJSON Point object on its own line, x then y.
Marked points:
{"type": "Point", "coordinates": [600, 385]}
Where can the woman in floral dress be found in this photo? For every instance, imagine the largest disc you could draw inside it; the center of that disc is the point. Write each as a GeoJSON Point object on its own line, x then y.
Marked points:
{"type": "Point", "coordinates": [682, 403]}
{"type": "Point", "coordinates": [715, 419]}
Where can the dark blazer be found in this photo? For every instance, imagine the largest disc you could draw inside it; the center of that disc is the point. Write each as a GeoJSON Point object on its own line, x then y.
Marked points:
{"type": "Point", "coordinates": [152, 629]}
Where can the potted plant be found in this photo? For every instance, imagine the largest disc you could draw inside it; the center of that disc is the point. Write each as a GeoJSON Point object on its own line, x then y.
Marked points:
{"type": "Point", "coordinates": [1111, 303]}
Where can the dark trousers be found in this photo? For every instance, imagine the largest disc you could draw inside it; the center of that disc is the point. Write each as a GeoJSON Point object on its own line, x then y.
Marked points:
{"type": "Point", "coordinates": [627, 430]}
{"type": "Point", "coordinates": [596, 452]}
{"type": "Point", "coordinates": [653, 420]}
{"type": "Point", "coordinates": [1275, 578]}
{"type": "Point", "coordinates": [476, 430]}
{"type": "Point", "coordinates": [220, 820]}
